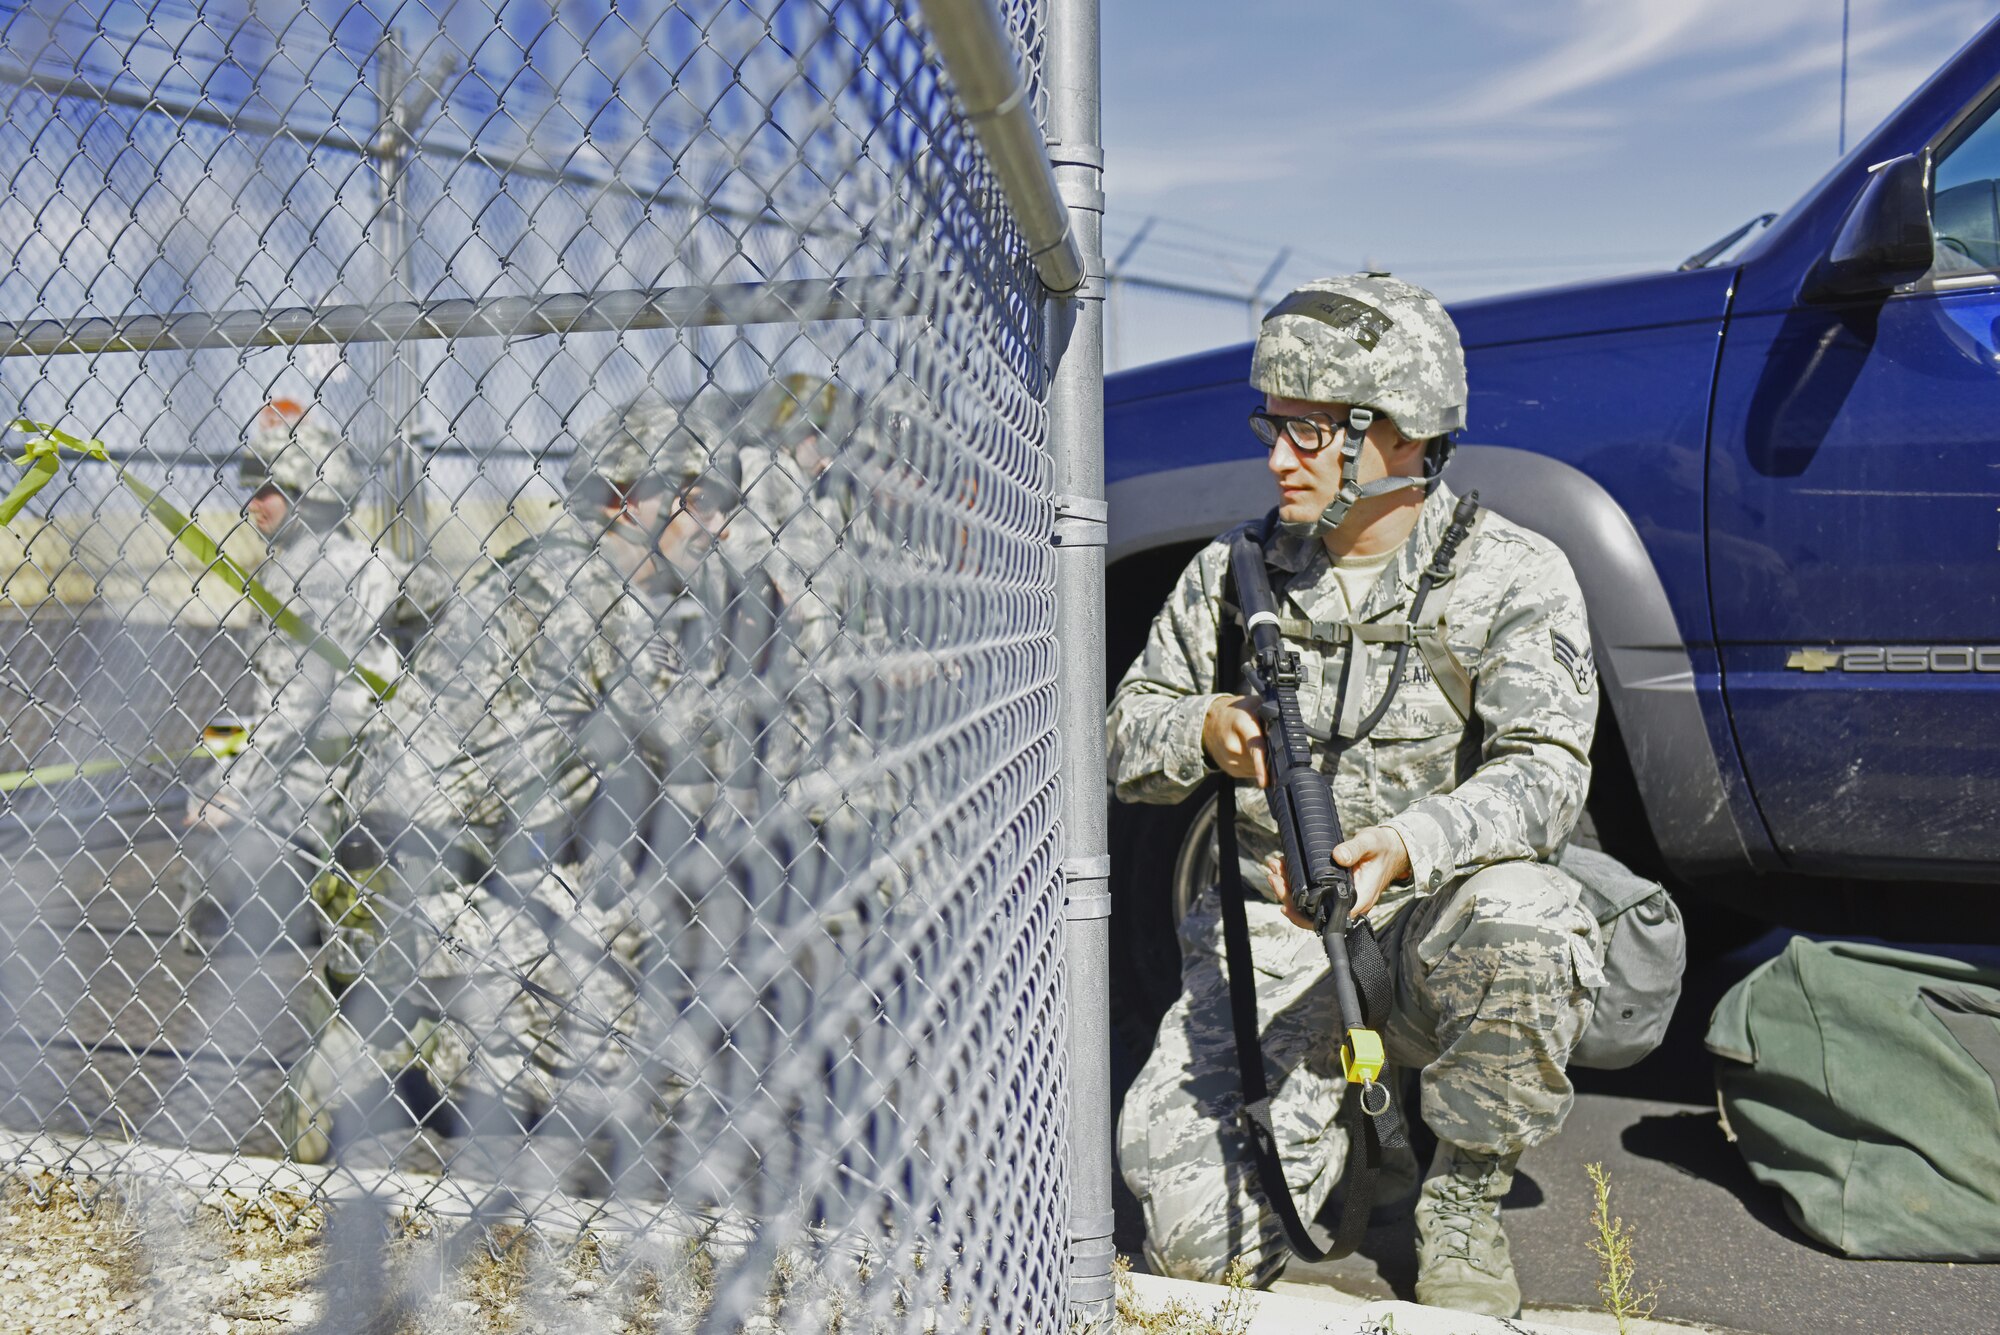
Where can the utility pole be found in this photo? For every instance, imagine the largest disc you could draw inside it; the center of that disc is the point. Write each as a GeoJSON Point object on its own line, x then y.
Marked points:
{"type": "Point", "coordinates": [1845, 5]}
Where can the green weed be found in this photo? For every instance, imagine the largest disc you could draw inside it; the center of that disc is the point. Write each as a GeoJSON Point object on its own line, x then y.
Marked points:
{"type": "Point", "coordinates": [1611, 1244]}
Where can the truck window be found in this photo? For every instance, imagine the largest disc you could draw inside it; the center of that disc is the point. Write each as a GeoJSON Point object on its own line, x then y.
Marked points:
{"type": "Point", "coordinates": [1965, 212]}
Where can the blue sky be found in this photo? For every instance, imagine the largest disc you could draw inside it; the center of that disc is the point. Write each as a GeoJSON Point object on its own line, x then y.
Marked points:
{"type": "Point", "coordinates": [1472, 145]}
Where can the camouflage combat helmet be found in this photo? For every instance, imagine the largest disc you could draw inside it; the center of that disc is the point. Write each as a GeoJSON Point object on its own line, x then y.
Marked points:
{"type": "Point", "coordinates": [795, 406]}
{"type": "Point", "coordinates": [288, 449]}
{"type": "Point", "coordinates": [1380, 345]}
{"type": "Point", "coordinates": [648, 438]}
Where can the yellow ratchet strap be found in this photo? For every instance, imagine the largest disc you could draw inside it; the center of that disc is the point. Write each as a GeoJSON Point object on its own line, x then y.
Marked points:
{"type": "Point", "coordinates": [1361, 1056]}
{"type": "Point", "coordinates": [223, 740]}
{"type": "Point", "coordinates": [217, 743]}
{"type": "Point", "coordinates": [45, 443]}
{"type": "Point", "coordinates": [39, 460]}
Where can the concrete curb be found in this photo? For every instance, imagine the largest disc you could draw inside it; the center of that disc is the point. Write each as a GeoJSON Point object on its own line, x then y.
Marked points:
{"type": "Point", "coordinates": [1315, 1309]}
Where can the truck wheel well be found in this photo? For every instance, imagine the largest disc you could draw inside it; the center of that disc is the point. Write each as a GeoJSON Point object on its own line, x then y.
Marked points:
{"type": "Point", "coordinates": [1134, 591]}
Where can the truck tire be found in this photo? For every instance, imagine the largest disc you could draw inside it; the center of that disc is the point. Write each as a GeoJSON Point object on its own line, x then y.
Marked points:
{"type": "Point", "coordinates": [1614, 821]}
{"type": "Point", "coordinates": [1162, 858]}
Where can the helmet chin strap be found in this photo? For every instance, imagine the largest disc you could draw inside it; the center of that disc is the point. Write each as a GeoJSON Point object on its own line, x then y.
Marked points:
{"type": "Point", "coordinates": [1352, 489]}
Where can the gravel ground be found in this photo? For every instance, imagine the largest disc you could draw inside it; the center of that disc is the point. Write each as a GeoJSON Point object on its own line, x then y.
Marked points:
{"type": "Point", "coordinates": [80, 1257]}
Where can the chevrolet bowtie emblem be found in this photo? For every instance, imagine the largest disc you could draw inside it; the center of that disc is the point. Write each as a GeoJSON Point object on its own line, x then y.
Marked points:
{"type": "Point", "coordinates": [1813, 660]}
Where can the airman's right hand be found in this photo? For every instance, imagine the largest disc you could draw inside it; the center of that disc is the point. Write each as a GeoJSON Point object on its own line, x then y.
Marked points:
{"type": "Point", "coordinates": [1233, 736]}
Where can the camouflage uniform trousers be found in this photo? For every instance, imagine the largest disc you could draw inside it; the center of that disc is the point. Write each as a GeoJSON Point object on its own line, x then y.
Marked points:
{"type": "Point", "coordinates": [1492, 982]}
{"type": "Point", "coordinates": [489, 1042]}
{"type": "Point", "coordinates": [515, 997]}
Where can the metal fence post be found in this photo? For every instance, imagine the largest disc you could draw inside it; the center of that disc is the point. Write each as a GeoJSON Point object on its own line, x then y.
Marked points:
{"type": "Point", "coordinates": [1076, 435]}
{"type": "Point", "coordinates": [400, 100]}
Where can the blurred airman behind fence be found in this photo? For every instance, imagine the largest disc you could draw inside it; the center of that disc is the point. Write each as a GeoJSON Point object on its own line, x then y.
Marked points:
{"type": "Point", "coordinates": [530, 630]}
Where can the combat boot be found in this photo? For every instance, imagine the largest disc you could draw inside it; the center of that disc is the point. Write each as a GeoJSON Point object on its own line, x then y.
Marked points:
{"type": "Point", "coordinates": [1462, 1257]}
{"type": "Point", "coordinates": [334, 1088]}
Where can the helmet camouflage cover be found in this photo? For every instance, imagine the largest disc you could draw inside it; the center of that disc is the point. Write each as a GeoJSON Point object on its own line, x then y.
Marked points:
{"type": "Point", "coordinates": [287, 448]}
{"type": "Point", "coordinates": [1368, 341]}
{"type": "Point", "coordinates": [797, 405]}
{"type": "Point", "coordinates": [650, 438]}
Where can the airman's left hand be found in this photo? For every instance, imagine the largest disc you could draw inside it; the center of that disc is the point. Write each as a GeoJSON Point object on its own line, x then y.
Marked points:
{"type": "Point", "coordinates": [1376, 856]}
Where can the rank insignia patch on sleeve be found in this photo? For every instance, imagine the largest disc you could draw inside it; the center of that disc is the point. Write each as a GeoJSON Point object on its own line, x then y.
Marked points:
{"type": "Point", "coordinates": [1579, 663]}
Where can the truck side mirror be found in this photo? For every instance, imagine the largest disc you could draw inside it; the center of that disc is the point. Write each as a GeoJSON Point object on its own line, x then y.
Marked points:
{"type": "Point", "coordinates": [1885, 240]}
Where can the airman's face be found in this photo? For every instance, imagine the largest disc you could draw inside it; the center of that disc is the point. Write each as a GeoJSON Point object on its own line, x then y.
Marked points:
{"type": "Point", "coordinates": [267, 508]}
{"type": "Point", "coordinates": [1309, 482]}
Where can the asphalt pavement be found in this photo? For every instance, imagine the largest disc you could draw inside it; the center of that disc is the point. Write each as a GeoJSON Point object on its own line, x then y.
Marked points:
{"type": "Point", "coordinates": [1718, 1244]}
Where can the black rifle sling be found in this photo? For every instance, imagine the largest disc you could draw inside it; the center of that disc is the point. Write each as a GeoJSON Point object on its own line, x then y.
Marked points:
{"type": "Point", "coordinates": [1366, 1136]}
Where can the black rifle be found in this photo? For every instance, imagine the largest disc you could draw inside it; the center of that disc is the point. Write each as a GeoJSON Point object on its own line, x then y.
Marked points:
{"type": "Point", "coordinates": [1301, 801]}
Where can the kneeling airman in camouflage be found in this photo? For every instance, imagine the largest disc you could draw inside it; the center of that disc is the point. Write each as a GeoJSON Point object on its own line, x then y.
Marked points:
{"type": "Point", "coordinates": [1455, 799]}
{"type": "Point", "coordinates": [513, 776]}
{"type": "Point", "coordinates": [808, 523]}
{"type": "Point", "coordinates": [277, 804]}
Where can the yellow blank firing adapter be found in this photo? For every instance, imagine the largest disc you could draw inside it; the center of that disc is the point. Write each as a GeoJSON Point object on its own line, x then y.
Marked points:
{"type": "Point", "coordinates": [1361, 1056]}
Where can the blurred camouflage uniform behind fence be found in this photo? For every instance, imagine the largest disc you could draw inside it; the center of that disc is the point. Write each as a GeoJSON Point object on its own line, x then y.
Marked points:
{"type": "Point", "coordinates": [266, 816]}
{"type": "Point", "coordinates": [1491, 950]}
{"type": "Point", "coordinates": [308, 712]}
{"type": "Point", "coordinates": [560, 732]}
{"type": "Point", "coordinates": [816, 519]}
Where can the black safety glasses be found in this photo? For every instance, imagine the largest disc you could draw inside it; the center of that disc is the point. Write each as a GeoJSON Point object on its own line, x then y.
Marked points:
{"type": "Point", "coordinates": [1308, 434]}
{"type": "Point", "coordinates": [708, 501]}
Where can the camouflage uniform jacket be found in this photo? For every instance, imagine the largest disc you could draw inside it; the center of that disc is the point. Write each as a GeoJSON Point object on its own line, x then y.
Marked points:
{"type": "Point", "coordinates": [827, 556]}
{"type": "Point", "coordinates": [307, 711]}
{"type": "Point", "coordinates": [343, 588]}
{"type": "Point", "coordinates": [803, 530]}
{"type": "Point", "coordinates": [1510, 784]}
{"type": "Point", "coordinates": [548, 670]}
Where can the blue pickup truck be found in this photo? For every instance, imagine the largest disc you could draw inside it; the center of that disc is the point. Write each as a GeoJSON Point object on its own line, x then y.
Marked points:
{"type": "Point", "coordinates": [1777, 473]}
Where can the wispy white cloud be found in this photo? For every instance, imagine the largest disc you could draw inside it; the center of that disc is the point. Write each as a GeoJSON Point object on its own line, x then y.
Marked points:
{"type": "Point", "coordinates": [1602, 41]}
{"type": "Point", "coordinates": [1144, 171]}
{"type": "Point", "coordinates": [1870, 97]}
{"type": "Point", "coordinates": [1893, 45]}
{"type": "Point", "coordinates": [1503, 148]}
{"type": "Point", "coordinates": [1546, 107]}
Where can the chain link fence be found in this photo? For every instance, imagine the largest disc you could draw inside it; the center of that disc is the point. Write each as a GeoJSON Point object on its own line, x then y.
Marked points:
{"type": "Point", "coordinates": [529, 626]}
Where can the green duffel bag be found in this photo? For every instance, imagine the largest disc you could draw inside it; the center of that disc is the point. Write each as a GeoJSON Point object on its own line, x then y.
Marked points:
{"type": "Point", "coordinates": [1864, 1084]}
